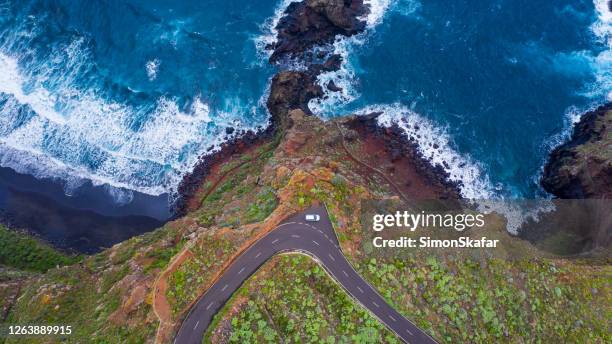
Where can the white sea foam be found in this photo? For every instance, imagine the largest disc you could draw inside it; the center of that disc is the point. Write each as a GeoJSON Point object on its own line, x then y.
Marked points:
{"type": "Point", "coordinates": [602, 28]}
{"type": "Point", "coordinates": [600, 65]}
{"type": "Point", "coordinates": [516, 213]}
{"type": "Point", "coordinates": [406, 7]}
{"type": "Point", "coordinates": [571, 117]}
{"type": "Point", "coordinates": [11, 82]}
{"type": "Point", "coordinates": [76, 135]}
{"type": "Point", "coordinates": [269, 34]}
{"type": "Point", "coordinates": [378, 8]}
{"type": "Point", "coordinates": [345, 77]}
{"type": "Point", "coordinates": [152, 67]}
{"type": "Point", "coordinates": [433, 142]}
{"type": "Point", "coordinates": [435, 145]}
{"type": "Point", "coordinates": [269, 30]}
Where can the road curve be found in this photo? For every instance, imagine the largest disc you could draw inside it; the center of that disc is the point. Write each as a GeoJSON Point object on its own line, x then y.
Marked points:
{"type": "Point", "coordinates": [316, 239]}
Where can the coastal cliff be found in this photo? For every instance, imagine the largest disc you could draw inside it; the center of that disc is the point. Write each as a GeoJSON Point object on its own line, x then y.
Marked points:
{"type": "Point", "coordinates": [582, 167]}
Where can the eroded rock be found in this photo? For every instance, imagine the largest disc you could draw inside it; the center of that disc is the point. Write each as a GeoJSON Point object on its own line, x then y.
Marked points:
{"type": "Point", "coordinates": [582, 167]}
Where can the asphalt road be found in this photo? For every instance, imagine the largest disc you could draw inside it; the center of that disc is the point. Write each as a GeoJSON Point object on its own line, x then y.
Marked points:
{"type": "Point", "coordinates": [316, 239]}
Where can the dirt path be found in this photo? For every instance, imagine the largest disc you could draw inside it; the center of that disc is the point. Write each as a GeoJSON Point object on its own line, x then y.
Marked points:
{"type": "Point", "coordinates": [161, 307]}
{"type": "Point", "coordinates": [366, 165]}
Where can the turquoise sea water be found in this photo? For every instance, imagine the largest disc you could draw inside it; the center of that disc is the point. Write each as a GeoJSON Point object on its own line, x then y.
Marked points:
{"type": "Point", "coordinates": [131, 93]}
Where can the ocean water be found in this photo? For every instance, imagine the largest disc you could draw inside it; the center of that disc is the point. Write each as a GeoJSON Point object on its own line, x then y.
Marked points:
{"type": "Point", "coordinates": [128, 94]}
{"type": "Point", "coordinates": [488, 88]}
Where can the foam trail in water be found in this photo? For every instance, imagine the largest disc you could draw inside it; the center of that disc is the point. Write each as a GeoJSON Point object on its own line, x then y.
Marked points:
{"type": "Point", "coordinates": [344, 78]}
{"type": "Point", "coordinates": [434, 144]}
{"type": "Point", "coordinates": [152, 67]}
{"type": "Point", "coordinates": [74, 134]}
{"type": "Point", "coordinates": [602, 28]}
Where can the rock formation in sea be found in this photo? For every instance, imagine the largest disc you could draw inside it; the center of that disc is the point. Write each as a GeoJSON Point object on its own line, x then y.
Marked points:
{"type": "Point", "coordinates": [582, 167]}
{"type": "Point", "coordinates": [311, 23]}
{"type": "Point", "coordinates": [305, 25]}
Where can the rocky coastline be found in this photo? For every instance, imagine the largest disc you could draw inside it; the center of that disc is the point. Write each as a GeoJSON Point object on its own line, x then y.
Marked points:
{"type": "Point", "coordinates": [405, 155]}
{"type": "Point", "coordinates": [582, 167]}
{"type": "Point", "coordinates": [579, 174]}
{"type": "Point", "coordinates": [305, 25]}
{"type": "Point", "coordinates": [191, 182]}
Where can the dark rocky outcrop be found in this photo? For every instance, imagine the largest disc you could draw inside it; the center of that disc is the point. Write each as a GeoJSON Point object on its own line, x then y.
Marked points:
{"type": "Point", "coordinates": [312, 23]}
{"type": "Point", "coordinates": [333, 63]}
{"type": "Point", "coordinates": [582, 167]}
{"type": "Point", "coordinates": [291, 90]}
{"type": "Point", "coordinates": [331, 85]}
{"type": "Point", "coordinates": [307, 24]}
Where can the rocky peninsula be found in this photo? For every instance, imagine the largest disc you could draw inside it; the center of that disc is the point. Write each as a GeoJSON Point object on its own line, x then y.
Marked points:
{"type": "Point", "coordinates": [304, 26]}
{"type": "Point", "coordinates": [311, 23]}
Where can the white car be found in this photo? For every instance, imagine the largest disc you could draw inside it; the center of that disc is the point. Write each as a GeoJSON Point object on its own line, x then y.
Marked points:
{"type": "Point", "coordinates": [312, 217]}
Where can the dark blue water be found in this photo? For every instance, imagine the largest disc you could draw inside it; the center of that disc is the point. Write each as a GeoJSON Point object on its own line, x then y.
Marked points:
{"type": "Point", "coordinates": [110, 103]}
{"type": "Point", "coordinates": [131, 93]}
{"type": "Point", "coordinates": [128, 93]}
{"type": "Point", "coordinates": [502, 77]}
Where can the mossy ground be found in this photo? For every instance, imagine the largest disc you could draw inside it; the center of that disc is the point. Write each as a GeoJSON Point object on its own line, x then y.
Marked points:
{"type": "Point", "coordinates": [20, 251]}
{"type": "Point", "coordinates": [89, 294]}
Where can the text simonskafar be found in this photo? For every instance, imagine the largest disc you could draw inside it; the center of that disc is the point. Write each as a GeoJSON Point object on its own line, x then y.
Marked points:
{"type": "Point", "coordinates": [423, 220]}
{"type": "Point", "coordinates": [427, 242]}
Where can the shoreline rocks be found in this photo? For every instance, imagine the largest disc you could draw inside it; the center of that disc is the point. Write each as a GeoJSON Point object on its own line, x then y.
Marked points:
{"type": "Point", "coordinates": [311, 23]}
{"type": "Point", "coordinates": [582, 167]}
{"type": "Point", "coordinates": [402, 151]}
{"type": "Point", "coordinates": [191, 181]}
{"type": "Point", "coordinates": [307, 24]}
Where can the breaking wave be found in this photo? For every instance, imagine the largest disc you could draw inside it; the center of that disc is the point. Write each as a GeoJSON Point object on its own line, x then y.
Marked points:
{"type": "Point", "coordinates": [435, 145]}
{"type": "Point", "coordinates": [52, 129]}
{"type": "Point", "coordinates": [602, 28]}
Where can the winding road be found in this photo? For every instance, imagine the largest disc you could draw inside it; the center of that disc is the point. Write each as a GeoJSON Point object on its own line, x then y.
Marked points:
{"type": "Point", "coordinates": [316, 239]}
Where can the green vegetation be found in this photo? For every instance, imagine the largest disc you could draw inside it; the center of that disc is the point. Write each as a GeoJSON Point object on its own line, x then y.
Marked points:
{"type": "Point", "coordinates": [107, 298]}
{"type": "Point", "coordinates": [241, 181]}
{"type": "Point", "coordinates": [496, 300]}
{"type": "Point", "coordinates": [313, 310]}
{"type": "Point", "coordinates": [91, 296]}
{"type": "Point", "coordinates": [209, 254]}
{"type": "Point", "coordinates": [161, 257]}
{"type": "Point", "coordinates": [23, 252]}
{"type": "Point", "coordinates": [264, 205]}
{"type": "Point", "coordinates": [76, 298]}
